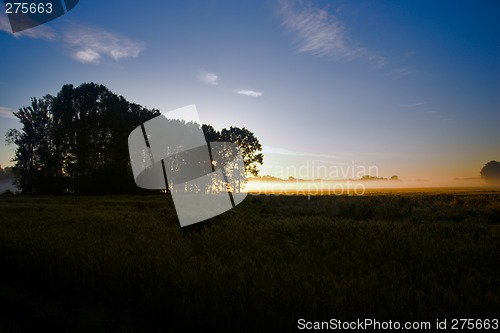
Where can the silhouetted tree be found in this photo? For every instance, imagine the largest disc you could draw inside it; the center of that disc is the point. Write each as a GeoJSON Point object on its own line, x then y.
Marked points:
{"type": "Point", "coordinates": [33, 144]}
{"type": "Point", "coordinates": [210, 133]}
{"type": "Point", "coordinates": [76, 142]}
{"type": "Point", "coordinates": [7, 173]}
{"type": "Point", "coordinates": [248, 143]}
{"type": "Point", "coordinates": [491, 172]}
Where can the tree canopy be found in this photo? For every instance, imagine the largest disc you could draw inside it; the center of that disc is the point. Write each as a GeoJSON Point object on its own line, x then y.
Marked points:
{"type": "Point", "coordinates": [249, 145]}
{"type": "Point", "coordinates": [491, 172]}
{"type": "Point", "coordinates": [77, 142]}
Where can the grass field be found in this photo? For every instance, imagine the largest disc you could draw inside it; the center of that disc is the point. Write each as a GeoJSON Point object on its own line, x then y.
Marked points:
{"type": "Point", "coordinates": [122, 263]}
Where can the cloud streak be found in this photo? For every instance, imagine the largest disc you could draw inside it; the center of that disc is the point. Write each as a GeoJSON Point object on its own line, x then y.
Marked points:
{"type": "Point", "coordinates": [90, 45]}
{"type": "Point", "coordinates": [7, 113]}
{"type": "Point", "coordinates": [208, 78]}
{"type": "Point", "coordinates": [412, 105]}
{"type": "Point", "coordinates": [400, 72]}
{"type": "Point", "coordinates": [320, 33]}
{"type": "Point", "coordinates": [86, 44]}
{"type": "Point", "coordinates": [250, 93]}
{"type": "Point", "coordinates": [283, 151]}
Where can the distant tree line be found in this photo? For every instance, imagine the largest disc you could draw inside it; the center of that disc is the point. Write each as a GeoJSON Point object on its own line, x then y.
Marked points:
{"type": "Point", "coordinates": [77, 142]}
{"type": "Point", "coordinates": [6, 180]}
{"type": "Point", "coordinates": [7, 173]}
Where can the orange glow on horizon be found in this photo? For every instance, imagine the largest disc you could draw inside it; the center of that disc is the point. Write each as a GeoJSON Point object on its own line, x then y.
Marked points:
{"type": "Point", "coordinates": [323, 187]}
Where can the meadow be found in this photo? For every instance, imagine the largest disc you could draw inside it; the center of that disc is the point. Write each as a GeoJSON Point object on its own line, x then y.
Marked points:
{"type": "Point", "coordinates": [123, 264]}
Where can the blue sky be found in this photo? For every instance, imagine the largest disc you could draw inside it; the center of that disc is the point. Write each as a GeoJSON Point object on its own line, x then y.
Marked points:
{"type": "Point", "coordinates": [409, 87]}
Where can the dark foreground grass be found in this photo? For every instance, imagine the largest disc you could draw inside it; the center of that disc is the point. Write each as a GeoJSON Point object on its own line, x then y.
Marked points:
{"type": "Point", "coordinates": [108, 264]}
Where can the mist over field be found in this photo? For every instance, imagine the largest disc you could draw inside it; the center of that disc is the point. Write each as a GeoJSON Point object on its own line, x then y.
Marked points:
{"type": "Point", "coordinates": [355, 187]}
{"type": "Point", "coordinates": [6, 183]}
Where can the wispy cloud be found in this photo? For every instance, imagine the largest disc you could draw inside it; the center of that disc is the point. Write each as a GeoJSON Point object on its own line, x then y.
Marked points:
{"type": "Point", "coordinates": [320, 33]}
{"type": "Point", "coordinates": [39, 32]}
{"type": "Point", "coordinates": [208, 78]}
{"type": "Point", "coordinates": [400, 72]}
{"type": "Point", "coordinates": [87, 44]}
{"type": "Point", "coordinates": [411, 105]}
{"type": "Point", "coordinates": [283, 151]}
{"type": "Point", "coordinates": [90, 45]}
{"type": "Point", "coordinates": [7, 113]}
{"type": "Point", "coordinates": [377, 60]}
{"type": "Point", "coordinates": [468, 178]}
{"type": "Point", "coordinates": [251, 93]}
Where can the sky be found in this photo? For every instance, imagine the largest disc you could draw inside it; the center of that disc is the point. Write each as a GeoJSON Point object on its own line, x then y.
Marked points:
{"type": "Point", "coordinates": [330, 88]}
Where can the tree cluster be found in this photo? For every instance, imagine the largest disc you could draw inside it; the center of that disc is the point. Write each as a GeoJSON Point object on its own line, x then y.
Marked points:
{"type": "Point", "coordinates": [491, 173]}
{"type": "Point", "coordinates": [248, 143]}
{"type": "Point", "coordinates": [77, 142]}
{"type": "Point", "coordinates": [7, 173]}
